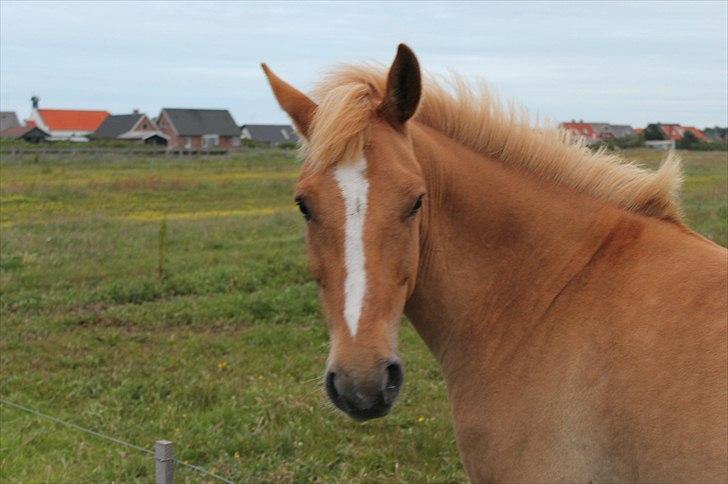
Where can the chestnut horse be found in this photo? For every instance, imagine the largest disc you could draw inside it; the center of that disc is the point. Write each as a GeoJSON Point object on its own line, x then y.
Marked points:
{"type": "Point", "coordinates": [579, 325]}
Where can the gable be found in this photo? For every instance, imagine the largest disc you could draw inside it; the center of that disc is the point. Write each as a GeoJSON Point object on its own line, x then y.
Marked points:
{"type": "Point", "coordinates": [144, 124]}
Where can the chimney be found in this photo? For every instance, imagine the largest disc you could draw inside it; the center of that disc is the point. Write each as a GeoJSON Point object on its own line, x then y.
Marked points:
{"type": "Point", "coordinates": [35, 100]}
{"type": "Point", "coordinates": [136, 111]}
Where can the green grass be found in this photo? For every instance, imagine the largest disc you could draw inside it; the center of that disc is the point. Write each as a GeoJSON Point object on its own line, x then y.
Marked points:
{"type": "Point", "coordinates": [222, 352]}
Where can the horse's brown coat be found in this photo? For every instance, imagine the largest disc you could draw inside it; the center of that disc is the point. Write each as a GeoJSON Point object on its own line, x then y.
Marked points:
{"type": "Point", "coordinates": [579, 341]}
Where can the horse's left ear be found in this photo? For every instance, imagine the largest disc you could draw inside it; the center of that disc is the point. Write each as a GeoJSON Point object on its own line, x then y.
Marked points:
{"type": "Point", "coordinates": [404, 88]}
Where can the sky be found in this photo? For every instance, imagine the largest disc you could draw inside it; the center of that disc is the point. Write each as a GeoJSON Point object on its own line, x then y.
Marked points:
{"type": "Point", "coordinates": [617, 62]}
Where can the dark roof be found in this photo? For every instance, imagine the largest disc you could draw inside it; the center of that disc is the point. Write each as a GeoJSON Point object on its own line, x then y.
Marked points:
{"type": "Point", "coordinates": [196, 122]}
{"type": "Point", "coordinates": [270, 133]}
{"type": "Point", "coordinates": [8, 119]}
{"type": "Point", "coordinates": [17, 132]}
{"type": "Point", "coordinates": [621, 130]}
{"type": "Point", "coordinates": [116, 124]}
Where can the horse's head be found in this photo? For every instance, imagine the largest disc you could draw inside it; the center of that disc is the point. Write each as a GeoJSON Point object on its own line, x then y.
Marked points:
{"type": "Point", "coordinates": [361, 192]}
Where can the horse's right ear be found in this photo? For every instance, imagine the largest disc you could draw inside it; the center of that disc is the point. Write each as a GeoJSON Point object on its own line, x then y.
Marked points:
{"type": "Point", "coordinates": [298, 106]}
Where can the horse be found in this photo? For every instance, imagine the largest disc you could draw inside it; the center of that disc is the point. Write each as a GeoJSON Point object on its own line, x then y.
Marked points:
{"type": "Point", "coordinates": [579, 325]}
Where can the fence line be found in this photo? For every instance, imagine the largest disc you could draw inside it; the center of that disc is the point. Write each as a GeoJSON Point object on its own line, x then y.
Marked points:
{"type": "Point", "coordinates": [120, 151]}
{"type": "Point", "coordinates": [108, 438]}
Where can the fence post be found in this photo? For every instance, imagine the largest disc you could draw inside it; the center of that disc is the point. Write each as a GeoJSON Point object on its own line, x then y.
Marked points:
{"type": "Point", "coordinates": [164, 457]}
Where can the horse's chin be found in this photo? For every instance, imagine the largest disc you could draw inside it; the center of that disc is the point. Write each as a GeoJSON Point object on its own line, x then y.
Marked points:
{"type": "Point", "coordinates": [368, 414]}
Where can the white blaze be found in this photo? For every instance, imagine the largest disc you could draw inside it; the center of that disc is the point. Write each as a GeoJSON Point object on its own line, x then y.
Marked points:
{"type": "Point", "coordinates": [352, 182]}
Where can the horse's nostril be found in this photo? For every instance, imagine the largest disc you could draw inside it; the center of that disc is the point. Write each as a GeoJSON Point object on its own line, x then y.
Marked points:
{"type": "Point", "coordinates": [330, 387]}
{"type": "Point", "coordinates": [394, 377]}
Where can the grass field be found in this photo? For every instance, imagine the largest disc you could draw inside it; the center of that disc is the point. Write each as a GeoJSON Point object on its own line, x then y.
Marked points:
{"type": "Point", "coordinates": [211, 338]}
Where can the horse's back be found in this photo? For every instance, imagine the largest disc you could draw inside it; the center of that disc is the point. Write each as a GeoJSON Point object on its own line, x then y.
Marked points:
{"type": "Point", "coordinates": [670, 374]}
{"type": "Point", "coordinates": [625, 379]}
{"type": "Point", "coordinates": [655, 309]}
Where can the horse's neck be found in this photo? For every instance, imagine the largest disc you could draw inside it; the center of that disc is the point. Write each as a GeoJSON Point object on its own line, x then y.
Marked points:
{"type": "Point", "coordinates": [497, 247]}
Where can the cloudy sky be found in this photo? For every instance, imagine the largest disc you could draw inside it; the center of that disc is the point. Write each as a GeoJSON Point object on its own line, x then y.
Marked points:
{"type": "Point", "coordinates": [631, 62]}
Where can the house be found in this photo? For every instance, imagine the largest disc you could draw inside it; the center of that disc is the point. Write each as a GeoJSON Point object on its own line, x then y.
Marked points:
{"type": "Point", "coordinates": [199, 128]}
{"type": "Point", "coordinates": [135, 127]}
{"type": "Point", "coordinates": [617, 131]}
{"type": "Point", "coordinates": [595, 132]}
{"type": "Point", "coordinates": [66, 124]}
{"type": "Point", "coordinates": [676, 132]}
{"type": "Point", "coordinates": [582, 130]}
{"type": "Point", "coordinates": [667, 144]}
{"type": "Point", "coordinates": [30, 133]}
{"type": "Point", "coordinates": [716, 134]}
{"type": "Point", "coordinates": [8, 119]}
{"type": "Point", "coordinates": [269, 133]}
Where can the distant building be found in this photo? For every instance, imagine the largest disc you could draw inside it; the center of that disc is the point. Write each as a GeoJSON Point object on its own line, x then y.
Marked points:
{"type": "Point", "coordinates": [199, 128]}
{"type": "Point", "coordinates": [30, 133]}
{"type": "Point", "coordinates": [716, 134]}
{"type": "Point", "coordinates": [135, 127]}
{"type": "Point", "coordinates": [66, 124]}
{"type": "Point", "coordinates": [666, 144]}
{"type": "Point", "coordinates": [269, 133]}
{"type": "Point", "coordinates": [580, 129]}
{"type": "Point", "coordinates": [8, 119]}
{"type": "Point", "coordinates": [595, 132]}
{"type": "Point", "coordinates": [617, 131]}
{"type": "Point", "coordinates": [676, 132]}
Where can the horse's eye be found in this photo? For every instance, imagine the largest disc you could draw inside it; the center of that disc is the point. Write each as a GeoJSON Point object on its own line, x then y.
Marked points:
{"type": "Point", "coordinates": [303, 208]}
{"type": "Point", "coordinates": [416, 207]}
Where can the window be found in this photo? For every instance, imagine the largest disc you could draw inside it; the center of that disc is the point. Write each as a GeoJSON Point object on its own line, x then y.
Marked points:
{"type": "Point", "coordinates": [210, 140]}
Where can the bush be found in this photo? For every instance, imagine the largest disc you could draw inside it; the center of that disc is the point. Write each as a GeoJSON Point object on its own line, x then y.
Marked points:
{"type": "Point", "coordinates": [688, 141]}
{"type": "Point", "coordinates": [653, 132]}
{"type": "Point", "coordinates": [619, 143]}
{"type": "Point", "coordinates": [710, 146]}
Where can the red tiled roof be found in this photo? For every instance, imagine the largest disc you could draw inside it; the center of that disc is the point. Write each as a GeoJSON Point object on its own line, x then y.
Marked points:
{"type": "Point", "coordinates": [71, 120]}
{"type": "Point", "coordinates": [676, 132]}
{"type": "Point", "coordinates": [698, 134]}
{"type": "Point", "coordinates": [672, 131]}
{"type": "Point", "coordinates": [582, 129]}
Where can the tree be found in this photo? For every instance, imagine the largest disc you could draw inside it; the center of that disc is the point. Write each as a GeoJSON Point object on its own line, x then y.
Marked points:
{"type": "Point", "coordinates": [689, 140]}
{"type": "Point", "coordinates": [653, 132]}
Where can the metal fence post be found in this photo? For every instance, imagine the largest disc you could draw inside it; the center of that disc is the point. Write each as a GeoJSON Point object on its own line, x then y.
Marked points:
{"type": "Point", "coordinates": [164, 457]}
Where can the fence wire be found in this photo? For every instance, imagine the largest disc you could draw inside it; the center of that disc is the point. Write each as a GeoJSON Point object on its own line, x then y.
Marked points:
{"type": "Point", "coordinates": [108, 438]}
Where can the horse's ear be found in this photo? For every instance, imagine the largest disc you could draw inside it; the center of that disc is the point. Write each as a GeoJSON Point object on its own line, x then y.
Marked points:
{"type": "Point", "coordinates": [298, 106]}
{"type": "Point", "coordinates": [404, 88]}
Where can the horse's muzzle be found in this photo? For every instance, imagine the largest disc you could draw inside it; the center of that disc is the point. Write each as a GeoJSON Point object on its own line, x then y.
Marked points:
{"type": "Point", "coordinates": [365, 400]}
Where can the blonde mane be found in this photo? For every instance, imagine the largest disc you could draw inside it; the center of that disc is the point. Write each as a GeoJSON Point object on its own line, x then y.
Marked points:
{"type": "Point", "coordinates": [348, 96]}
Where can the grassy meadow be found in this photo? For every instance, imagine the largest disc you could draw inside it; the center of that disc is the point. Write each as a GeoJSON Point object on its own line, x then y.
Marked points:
{"type": "Point", "coordinates": [169, 298]}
